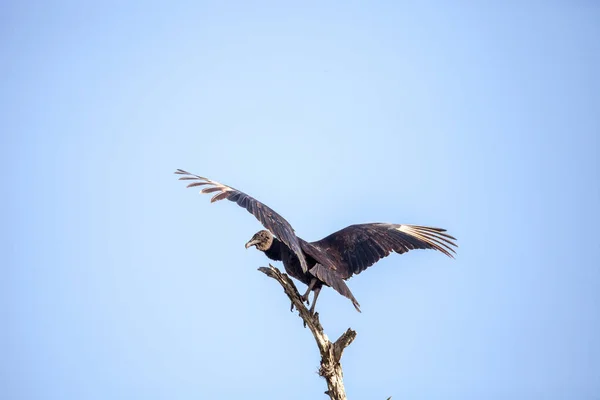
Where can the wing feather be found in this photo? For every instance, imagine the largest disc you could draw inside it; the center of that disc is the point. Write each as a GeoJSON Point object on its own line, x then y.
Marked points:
{"type": "Point", "coordinates": [272, 221]}
{"type": "Point", "coordinates": [357, 247]}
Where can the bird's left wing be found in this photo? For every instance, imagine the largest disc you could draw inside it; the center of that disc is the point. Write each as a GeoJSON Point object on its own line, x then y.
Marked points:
{"type": "Point", "coordinates": [274, 222]}
{"type": "Point", "coordinates": [357, 247]}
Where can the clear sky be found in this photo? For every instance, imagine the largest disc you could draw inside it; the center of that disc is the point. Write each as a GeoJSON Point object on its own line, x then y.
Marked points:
{"type": "Point", "coordinates": [119, 283]}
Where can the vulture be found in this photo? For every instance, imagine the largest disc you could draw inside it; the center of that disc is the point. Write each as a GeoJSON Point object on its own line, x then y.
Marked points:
{"type": "Point", "coordinates": [333, 259]}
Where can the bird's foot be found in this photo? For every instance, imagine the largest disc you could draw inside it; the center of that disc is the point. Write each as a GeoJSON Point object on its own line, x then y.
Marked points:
{"type": "Point", "coordinates": [304, 298]}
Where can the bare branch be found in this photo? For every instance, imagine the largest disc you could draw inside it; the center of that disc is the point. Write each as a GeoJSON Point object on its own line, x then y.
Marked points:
{"type": "Point", "coordinates": [343, 342]}
{"type": "Point", "coordinates": [331, 353]}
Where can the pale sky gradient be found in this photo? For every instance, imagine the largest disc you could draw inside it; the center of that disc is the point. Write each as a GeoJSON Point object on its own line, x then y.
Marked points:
{"type": "Point", "coordinates": [119, 283]}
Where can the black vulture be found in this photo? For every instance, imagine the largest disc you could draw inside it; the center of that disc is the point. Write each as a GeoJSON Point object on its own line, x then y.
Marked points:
{"type": "Point", "coordinates": [333, 259]}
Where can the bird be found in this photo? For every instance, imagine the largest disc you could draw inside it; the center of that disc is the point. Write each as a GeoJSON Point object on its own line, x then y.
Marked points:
{"type": "Point", "coordinates": [337, 257]}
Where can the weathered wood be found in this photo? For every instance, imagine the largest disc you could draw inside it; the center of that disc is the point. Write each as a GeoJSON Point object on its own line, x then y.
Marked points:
{"type": "Point", "coordinates": [331, 353]}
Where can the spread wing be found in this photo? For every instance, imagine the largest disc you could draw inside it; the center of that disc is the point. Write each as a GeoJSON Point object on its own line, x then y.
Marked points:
{"type": "Point", "coordinates": [274, 222]}
{"type": "Point", "coordinates": [357, 247]}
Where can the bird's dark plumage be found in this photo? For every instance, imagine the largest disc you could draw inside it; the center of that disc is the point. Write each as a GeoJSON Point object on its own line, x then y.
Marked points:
{"type": "Point", "coordinates": [357, 247]}
{"type": "Point", "coordinates": [274, 222]}
{"type": "Point", "coordinates": [335, 258]}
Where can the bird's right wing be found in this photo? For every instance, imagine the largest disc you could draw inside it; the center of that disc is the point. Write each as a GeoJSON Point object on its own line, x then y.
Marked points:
{"type": "Point", "coordinates": [274, 222]}
{"type": "Point", "coordinates": [357, 247]}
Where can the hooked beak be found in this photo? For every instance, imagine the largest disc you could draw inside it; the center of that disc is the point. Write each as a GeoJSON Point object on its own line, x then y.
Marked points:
{"type": "Point", "coordinates": [251, 243]}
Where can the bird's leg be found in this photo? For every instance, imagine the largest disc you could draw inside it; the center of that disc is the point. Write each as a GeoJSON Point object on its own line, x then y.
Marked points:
{"type": "Point", "coordinates": [312, 308]}
{"type": "Point", "coordinates": [304, 297]}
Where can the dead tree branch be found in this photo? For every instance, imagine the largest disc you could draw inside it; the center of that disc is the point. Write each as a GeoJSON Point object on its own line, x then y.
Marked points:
{"type": "Point", "coordinates": [331, 353]}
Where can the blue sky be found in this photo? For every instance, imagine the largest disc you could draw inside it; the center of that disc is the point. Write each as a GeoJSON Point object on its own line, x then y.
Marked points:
{"type": "Point", "coordinates": [121, 284]}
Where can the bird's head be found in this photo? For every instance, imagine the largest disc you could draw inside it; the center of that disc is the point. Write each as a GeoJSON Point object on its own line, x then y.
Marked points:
{"type": "Point", "coordinates": [262, 240]}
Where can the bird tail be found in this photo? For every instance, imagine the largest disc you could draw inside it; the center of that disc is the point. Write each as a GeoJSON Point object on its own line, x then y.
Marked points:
{"type": "Point", "coordinates": [335, 281]}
